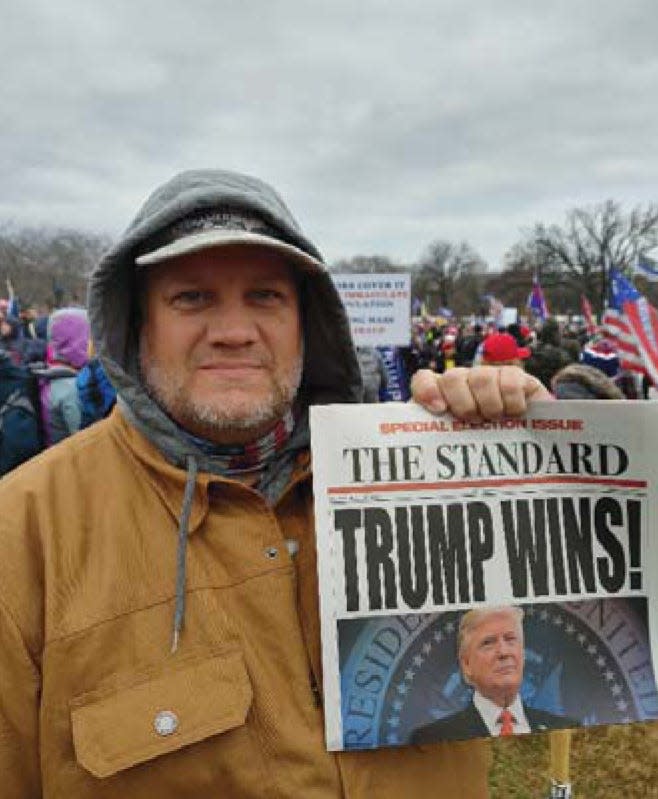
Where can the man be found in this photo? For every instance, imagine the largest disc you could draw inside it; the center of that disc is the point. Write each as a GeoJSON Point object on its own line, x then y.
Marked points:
{"type": "Point", "coordinates": [468, 345]}
{"type": "Point", "coordinates": [491, 659]}
{"type": "Point", "coordinates": [548, 354]}
{"type": "Point", "coordinates": [159, 631]}
{"type": "Point", "coordinates": [373, 373]}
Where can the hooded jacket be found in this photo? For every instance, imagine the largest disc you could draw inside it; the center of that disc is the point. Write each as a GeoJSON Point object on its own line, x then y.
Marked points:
{"type": "Point", "coordinates": [126, 526]}
{"type": "Point", "coordinates": [580, 381]}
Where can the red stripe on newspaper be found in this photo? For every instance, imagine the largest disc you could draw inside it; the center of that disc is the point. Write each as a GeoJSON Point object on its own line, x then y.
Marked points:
{"type": "Point", "coordinates": [489, 483]}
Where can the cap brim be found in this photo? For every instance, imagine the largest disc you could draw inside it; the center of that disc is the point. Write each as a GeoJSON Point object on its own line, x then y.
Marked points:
{"type": "Point", "coordinates": [207, 239]}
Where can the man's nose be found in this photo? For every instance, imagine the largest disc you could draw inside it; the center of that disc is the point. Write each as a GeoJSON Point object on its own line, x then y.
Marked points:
{"type": "Point", "coordinates": [503, 649]}
{"type": "Point", "coordinates": [231, 324]}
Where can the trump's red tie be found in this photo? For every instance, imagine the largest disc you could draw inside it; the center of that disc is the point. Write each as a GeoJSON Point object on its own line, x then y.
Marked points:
{"type": "Point", "coordinates": [506, 721]}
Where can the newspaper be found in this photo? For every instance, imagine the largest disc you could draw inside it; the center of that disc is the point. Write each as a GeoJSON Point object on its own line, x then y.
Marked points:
{"type": "Point", "coordinates": [421, 518]}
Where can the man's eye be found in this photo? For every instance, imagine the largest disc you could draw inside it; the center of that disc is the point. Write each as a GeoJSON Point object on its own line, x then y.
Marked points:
{"type": "Point", "coordinates": [267, 295]}
{"type": "Point", "coordinates": [190, 297]}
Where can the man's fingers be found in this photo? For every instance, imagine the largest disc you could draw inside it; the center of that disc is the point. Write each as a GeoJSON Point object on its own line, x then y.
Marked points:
{"type": "Point", "coordinates": [536, 390]}
{"type": "Point", "coordinates": [482, 392]}
{"type": "Point", "coordinates": [458, 394]}
{"type": "Point", "coordinates": [518, 389]}
{"type": "Point", "coordinates": [426, 392]}
{"type": "Point", "coordinates": [484, 384]}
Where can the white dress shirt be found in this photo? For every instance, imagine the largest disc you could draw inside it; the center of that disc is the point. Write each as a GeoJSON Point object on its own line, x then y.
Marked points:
{"type": "Point", "coordinates": [490, 713]}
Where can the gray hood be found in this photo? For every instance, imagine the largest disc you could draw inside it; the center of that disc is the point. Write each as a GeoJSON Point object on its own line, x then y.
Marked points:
{"type": "Point", "coordinates": [331, 372]}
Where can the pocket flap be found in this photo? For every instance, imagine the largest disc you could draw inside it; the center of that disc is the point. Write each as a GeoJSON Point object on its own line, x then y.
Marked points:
{"type": "Point", "coordinates": [113, 730]}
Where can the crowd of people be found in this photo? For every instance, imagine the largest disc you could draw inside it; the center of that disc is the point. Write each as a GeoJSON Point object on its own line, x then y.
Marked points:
{"type": "Point", "coordinates": [51, 384]}
{"type": "Point", "coordinates": [571, 361]}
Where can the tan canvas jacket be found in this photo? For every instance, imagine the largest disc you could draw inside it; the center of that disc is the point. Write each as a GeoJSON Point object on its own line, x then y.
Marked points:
{"type": "Point", "coordinates": [92, 701]}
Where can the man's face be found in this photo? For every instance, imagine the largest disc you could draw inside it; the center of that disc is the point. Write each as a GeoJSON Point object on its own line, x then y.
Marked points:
{"type": "Point", "coordinates": [492, 657]}
{"type": "Point", "coordinates": [221, 344]}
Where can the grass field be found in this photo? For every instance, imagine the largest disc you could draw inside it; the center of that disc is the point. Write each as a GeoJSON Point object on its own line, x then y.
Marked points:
{"type": "Point", "coordinates": [606, 763]}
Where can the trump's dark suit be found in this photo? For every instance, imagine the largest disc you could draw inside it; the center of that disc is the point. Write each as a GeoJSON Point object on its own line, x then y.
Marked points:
{"type": "Point", "coordinates": [468, 723]}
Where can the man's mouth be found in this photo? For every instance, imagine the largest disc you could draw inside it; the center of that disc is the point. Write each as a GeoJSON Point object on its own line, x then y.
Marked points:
{"type": "Point", "coordinates": [509, 668]}
{"type": "Point", "coordinates": [231, 366]}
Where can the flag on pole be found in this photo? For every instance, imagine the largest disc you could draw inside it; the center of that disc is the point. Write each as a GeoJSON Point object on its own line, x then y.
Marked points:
{"type": "Point", "coordinates": [646, 267]}
{"type": "Point", "coordinates": [632, 323]}
{"type": "Point", "coordinates": [536, 302]}
{"type": "Point", "coordinates": [588, 315]}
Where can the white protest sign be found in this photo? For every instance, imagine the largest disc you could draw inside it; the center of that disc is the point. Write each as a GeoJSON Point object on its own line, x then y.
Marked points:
{"type": "Point", "coordinates": [508, 316]}
{"type": "Point", "coordinates": [378, 307]}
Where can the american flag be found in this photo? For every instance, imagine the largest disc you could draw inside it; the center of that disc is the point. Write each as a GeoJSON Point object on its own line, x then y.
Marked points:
{"type": "Point", "coordinates": [632, 323]}
{"type": "Point", "coordinates": [536, 302]}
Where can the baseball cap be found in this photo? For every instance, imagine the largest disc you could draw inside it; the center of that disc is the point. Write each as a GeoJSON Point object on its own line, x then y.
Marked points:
{"type": "Point", "coordinates": [500, 347]}
{"type": "Point", "coordinates": [219, 228]}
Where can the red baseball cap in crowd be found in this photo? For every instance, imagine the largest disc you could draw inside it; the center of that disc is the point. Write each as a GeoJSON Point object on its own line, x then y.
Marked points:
{"type": "Point", "coordinates": [500, 347]}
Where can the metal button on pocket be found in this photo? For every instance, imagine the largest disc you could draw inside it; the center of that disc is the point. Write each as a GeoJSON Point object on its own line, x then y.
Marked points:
{"type": "Point", "coordinates": [165, 722]}
{"type": "Point", "coordinates": [271, 553]}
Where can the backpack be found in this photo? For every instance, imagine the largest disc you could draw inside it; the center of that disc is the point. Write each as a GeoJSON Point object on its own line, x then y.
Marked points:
{"type": "Point", "coordinates": [20, 428]}
{"type": "Point", "coordinates": [96, 394]}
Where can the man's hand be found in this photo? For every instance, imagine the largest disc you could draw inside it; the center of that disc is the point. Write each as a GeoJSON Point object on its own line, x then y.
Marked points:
{"type": "Point", "coordinates": [478, 393]}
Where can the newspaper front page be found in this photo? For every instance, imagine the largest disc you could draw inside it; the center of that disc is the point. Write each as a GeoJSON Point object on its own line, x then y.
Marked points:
{"type": "Point", "coordinates": [549, 519]}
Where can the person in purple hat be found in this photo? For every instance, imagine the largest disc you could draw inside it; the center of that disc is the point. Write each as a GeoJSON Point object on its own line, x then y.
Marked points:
{"type": "Point", "coordinates": [68, 337]}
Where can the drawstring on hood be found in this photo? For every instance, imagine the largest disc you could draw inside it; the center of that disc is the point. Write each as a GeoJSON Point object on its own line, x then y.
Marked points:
{"type": "Point", "coordinates": [181, 552]}
{"type": "Point", "coordinates": [193, 211]}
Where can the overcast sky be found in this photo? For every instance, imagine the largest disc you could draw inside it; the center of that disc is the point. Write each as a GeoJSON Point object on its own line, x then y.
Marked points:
{"type": "Point", "coordinates": [383, 124]}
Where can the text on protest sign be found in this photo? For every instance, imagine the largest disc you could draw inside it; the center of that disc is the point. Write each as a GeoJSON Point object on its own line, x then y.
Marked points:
{"type": "Point", "coordinates": [378, 307]}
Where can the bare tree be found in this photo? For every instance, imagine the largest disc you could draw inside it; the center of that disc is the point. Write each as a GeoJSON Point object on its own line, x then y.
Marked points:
{"type": "Point", "coordinates": [48, 265]}
{"type": "Point", "coordinates": [575, 258]}
{"type": "Point", "coordinates": [449, 276]}
{"type": "Point", "coordinates": [367, 264]}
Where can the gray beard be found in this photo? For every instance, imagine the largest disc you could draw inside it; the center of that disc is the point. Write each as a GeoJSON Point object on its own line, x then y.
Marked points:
{"type": "Point", "coordinates": [213, 420]}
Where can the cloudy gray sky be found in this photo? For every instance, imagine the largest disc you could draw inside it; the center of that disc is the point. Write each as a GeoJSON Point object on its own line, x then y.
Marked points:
{"type": "Point", "coordinates": [384, 124]}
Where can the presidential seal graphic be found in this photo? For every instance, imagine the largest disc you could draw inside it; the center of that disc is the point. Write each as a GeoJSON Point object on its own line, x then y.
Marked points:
{"type": "Point", "coordinates": [584, 663]}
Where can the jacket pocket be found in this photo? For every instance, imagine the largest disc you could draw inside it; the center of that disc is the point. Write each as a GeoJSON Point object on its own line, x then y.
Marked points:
{"type": "Point", "coordinates": [114, 730]}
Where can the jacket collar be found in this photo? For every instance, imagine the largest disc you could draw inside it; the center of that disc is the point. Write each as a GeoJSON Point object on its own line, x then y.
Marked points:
{"type": "Point", "coordinates": [169, 481]}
